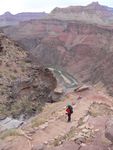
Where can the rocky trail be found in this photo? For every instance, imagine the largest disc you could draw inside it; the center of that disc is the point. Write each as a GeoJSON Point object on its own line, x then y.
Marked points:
{"type": "Point", "coordinates": [50, 130]}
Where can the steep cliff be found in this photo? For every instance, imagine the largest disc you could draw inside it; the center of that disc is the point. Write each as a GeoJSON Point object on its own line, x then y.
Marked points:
{"type": "Point", "coordinates": [24, 88]}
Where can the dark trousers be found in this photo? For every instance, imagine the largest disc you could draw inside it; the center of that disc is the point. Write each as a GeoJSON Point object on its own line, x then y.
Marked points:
{"type": "Point", "coordinates": [69, 117]}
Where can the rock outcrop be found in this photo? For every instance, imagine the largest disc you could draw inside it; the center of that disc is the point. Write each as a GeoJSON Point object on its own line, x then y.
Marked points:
{"type": "Point", "coordinates": [24, 87]}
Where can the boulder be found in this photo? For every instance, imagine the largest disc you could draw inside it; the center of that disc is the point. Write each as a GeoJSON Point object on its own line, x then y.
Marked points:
{"type": "Point", "coordinates": [58, 90]}
{"type": "Point", "coordinates": [38, 147]}
{"type": "Point", "coordinates": [9, 123]}
{"type": "Point", "coordinates": [82, 88]}
{"type": "Point", "coordinates": [43, 126]}
{"type": "Point", "coordinates": [109, 130]}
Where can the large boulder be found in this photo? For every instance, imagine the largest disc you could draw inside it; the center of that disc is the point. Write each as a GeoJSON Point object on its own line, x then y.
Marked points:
{"type": "Point", "coordinates": [9, 123]}
{"type": "Point", "coordinates": [82, 88]}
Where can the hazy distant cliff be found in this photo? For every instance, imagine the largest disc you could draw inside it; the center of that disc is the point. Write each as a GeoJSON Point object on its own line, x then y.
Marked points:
{"type": "Point", "coordinates": [92, 13]}
{"type": "Point", "coordinates": [9, 19]}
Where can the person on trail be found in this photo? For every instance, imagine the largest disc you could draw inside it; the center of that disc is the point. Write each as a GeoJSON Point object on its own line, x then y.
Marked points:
{"type": "Point", "coordinates": [69, 111]}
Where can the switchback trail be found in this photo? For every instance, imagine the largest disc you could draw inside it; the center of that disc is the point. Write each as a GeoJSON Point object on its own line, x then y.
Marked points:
{"type": "Point", "coordinates": [52, 121]}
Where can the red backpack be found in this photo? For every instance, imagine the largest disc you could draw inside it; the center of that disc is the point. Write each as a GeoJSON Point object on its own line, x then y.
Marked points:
{"type": "Point", "coordinates": [68, 110]}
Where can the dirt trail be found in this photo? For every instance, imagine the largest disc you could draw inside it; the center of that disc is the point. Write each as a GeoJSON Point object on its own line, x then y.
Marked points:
{"type": "Point", "coordinates": [56, 124]}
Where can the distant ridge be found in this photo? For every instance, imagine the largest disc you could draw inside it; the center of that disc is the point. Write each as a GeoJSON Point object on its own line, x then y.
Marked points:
{"type": "Point", "coordinates": [92, 13]}
{"type": "Point", "coordinates": [9, 19]}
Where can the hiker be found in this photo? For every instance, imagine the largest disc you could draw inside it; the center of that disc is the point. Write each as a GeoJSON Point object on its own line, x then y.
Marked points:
{"type": "Point", "coordinates": [69, 111]}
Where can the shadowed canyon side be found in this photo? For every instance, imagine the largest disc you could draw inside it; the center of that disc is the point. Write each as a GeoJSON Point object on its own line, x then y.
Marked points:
{"type": "Point", "coordinates": [24, 87]}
